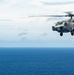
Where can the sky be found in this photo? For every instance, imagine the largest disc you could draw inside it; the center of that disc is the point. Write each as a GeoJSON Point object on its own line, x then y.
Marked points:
{"type": "Point", "coordinates": [19, 30]}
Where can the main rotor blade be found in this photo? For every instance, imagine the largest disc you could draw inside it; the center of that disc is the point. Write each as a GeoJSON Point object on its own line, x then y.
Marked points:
{"type": "Point", "coordinates": [53, 18]}
{"type": "Point", "coordinates": [69, 12]}
{"type": "Point", "coordinates": [49, 16]}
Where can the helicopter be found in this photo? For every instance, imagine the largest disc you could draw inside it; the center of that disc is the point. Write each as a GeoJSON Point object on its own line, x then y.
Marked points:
{"type": "Point", "coordinates": [64, 26]}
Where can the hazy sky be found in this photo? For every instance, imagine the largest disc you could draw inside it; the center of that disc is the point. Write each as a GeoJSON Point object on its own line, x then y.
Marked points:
{"type": "Point", "coordinates": [19, 30]}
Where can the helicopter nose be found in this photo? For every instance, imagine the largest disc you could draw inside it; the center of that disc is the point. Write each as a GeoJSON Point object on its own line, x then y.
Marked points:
{"type": "Point", "coordinates": [53, 28]}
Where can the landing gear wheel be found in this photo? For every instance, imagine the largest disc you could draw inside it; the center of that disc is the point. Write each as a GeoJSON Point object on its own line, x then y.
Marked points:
{"type": "Point", "coordinates": [61, 34]}
{"type": "Point", "coordinates": [72, 33]}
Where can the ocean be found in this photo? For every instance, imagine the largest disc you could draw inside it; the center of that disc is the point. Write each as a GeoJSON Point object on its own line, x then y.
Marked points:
{"type": "Point", "coordinates": [36, 61]}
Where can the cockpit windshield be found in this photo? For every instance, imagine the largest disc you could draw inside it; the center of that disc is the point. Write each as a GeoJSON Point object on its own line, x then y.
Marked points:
{"type": "Point", "coordinates": [59, 23]}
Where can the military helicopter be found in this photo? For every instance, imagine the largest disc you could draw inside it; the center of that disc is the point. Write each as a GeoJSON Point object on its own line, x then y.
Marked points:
{"type": "Point", "coordinates": [64, 26]}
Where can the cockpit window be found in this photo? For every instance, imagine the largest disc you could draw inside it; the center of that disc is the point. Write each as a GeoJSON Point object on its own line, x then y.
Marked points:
{"type": "Point", "coordinates": [59, 23]}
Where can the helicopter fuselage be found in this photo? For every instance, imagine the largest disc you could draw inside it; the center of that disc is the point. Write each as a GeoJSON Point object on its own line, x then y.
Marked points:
{"type": "Point", "coordinates": [64, 27]}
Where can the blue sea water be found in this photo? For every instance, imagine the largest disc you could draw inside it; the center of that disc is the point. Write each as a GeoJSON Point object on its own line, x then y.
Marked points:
{"type": "Point", "coordinates": [36, 61]}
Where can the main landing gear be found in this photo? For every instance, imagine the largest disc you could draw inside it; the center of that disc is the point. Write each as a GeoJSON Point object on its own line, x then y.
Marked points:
{"type": "Point", "coordinates": [61, 34]}
{"type": "Point", "coordinates": [72, 32]}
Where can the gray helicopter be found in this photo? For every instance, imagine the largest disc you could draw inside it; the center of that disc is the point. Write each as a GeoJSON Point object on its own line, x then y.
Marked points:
{"type": "Point", "coordinates": [64, 26]}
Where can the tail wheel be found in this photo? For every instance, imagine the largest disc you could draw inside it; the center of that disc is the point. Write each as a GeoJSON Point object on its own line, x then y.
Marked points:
{"type": "Point", "coordinates": [61, 34]}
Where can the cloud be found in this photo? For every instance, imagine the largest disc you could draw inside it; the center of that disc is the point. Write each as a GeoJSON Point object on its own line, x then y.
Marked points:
{"type": "Point", "coordinates": [24, 39]}
{"type": "Point", "coordinates": [44, 34]}
{"type": "Point", "coordinates": [6, 20]}
{"type": "Point", "coordinates": [57, 3]}
{"type": "Point", "coordinates": [23, 33]}
{"type": "Point", "coordinates": [7, 41]}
